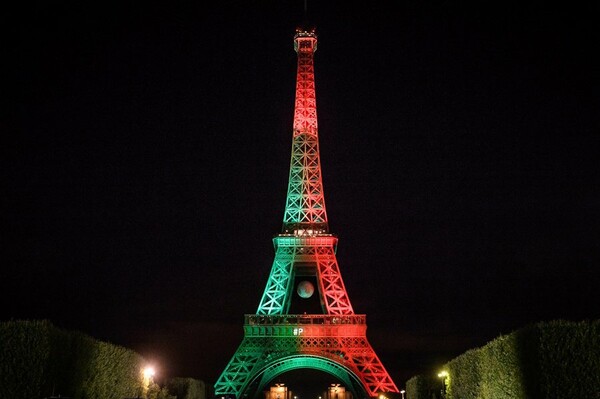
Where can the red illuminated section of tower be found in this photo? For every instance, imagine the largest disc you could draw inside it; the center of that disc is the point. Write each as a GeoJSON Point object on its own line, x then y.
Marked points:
{"type": "Point", "coordinates": [305, 205]}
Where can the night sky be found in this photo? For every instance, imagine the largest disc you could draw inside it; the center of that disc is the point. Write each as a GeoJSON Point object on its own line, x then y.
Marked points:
{"type": "Point", "coordinates": [146, 154]}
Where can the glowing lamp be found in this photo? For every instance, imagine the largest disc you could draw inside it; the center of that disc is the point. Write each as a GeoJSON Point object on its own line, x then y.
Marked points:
{"type": "Point", "coordinates": [149, 372]}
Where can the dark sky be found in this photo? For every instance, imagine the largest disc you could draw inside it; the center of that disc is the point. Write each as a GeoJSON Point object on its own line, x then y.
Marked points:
{"type": "Point", "coordinates": [147, 150]}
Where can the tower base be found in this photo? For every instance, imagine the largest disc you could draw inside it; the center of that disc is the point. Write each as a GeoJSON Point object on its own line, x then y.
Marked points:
{"type": "Point", "coordinates": [334, 344]}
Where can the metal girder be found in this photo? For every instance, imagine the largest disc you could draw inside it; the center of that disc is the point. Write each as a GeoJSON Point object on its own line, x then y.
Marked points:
{"type": "Point", "coordinates": [320, 251]}
{"type": "Point", "coordinates": [275, 299]}
{"type": "Point", "coordinates": [330, 281]}
{"type": "Point", "coordinates": [305, 204]}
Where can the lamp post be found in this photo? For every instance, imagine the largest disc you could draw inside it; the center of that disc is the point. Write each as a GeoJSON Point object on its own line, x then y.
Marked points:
{"type": "Point", "coordinates": [443, 374]}
{"type": "Point", "coordinates": [402, 393]}
{"type": "Point", "coordinates": [147, 373]}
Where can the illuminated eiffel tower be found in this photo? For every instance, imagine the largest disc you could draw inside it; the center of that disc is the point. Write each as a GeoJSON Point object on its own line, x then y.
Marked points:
{"type": "Point", "coordinates": [332, 340]}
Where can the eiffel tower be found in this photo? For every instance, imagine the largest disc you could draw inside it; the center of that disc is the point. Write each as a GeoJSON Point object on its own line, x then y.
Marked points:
{"type": "Point", "coordinates": [332, 339]}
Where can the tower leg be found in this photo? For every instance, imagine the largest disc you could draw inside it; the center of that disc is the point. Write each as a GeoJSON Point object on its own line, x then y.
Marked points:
{"type": "Point", "coordinates": [331, 283]}
{"type": "Point", "coordinates": [275, 298]}
{"type": "Point", "coordinates": [272, 347]}
{"type": "Point", "coordinates": [241, 368]}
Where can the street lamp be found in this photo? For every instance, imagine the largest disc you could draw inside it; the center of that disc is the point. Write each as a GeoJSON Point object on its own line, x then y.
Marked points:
{"type": "Point", "coordinates": [147, 373]}
{"type": "Point", "coordinates": [402, 393]}
{"type": "Point", "coordinates": [443, 375]}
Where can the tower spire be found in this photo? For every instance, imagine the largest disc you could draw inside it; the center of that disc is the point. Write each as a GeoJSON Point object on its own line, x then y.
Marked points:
{"type": "Point", "coordinates": [305, 204]}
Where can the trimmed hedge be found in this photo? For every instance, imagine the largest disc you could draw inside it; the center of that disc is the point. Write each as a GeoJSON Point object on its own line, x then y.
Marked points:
{"type": "Point", "coordinates": [557, 359]}
{"type": "Point", "coordinates": [38, 360]}
{"type": "Point", "coordinates": [422, 387]}
{"type": "Point", "coordinates": [502, 368]}
{"type": "Point", "coordinates": [569, 360]}
{"type": "Point", "coordinates": [187, 388]}
{"type": "Point", "coordinates": [464, 384]}
{"type": "Point", "coordinates": [24, 355]}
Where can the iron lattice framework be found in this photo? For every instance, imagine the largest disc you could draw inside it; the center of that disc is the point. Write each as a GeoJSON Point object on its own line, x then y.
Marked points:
{"type": "Point", "coordinates": [305, 205]}
{"type": "Point", "coordinates": [334, 341]}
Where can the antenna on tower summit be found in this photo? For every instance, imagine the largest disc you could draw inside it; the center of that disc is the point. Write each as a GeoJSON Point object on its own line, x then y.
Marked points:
{"type": "Point", "coordinates": [306, 25]}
